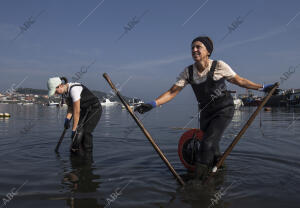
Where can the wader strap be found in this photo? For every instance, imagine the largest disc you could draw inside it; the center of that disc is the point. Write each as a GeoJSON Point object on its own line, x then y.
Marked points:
{"type": "Point", "coordinates": [67, 95]}
{"type": "Point", "coordinates": [210, 73]}
{"type": "Point", "coordinates": [74, 86]}
{"type": "Point", "coordinates": [190, 79]}
{"type": "Point", "coordinates": [212, 69]}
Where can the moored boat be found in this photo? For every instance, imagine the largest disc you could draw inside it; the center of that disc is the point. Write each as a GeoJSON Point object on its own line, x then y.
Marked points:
{"type": "Point", "coordinates": [53, 104]}
{"type": "Point", "coordinates": [107, 102]}
{"type": "Point", "coordinates": [238, 103]}
{"type": "Point", "coordinates": [27, 103]}
{"type": "Point", "coordinates": [294, 99]}
{"type": "Point", "coordinates": [134, 102]}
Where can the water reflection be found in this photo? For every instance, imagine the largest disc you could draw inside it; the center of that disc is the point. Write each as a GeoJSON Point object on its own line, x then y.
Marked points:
{"type": "Point", "coordinates": [267, 166]}
{"type": "Point", "coordinates": [4, 122]}
{"type": "Point", "coordinates": [81, 182]}
{"type": "Point", "coordinates": [237, 117]}
{"type": "Point", "coordinates": [195, 192]}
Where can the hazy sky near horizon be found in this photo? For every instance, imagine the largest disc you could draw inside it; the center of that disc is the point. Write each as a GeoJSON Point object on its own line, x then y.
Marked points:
{"type": "Point", "coordinates": [151, 52]}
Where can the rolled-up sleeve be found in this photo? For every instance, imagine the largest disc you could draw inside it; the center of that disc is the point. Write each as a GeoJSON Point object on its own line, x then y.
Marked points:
{"type": "Point", "coordinates": [182, 79]}
{"type": "Point", "coordinates": [224, 70]}
{"type": "Point", "coordinates": [75, 93]}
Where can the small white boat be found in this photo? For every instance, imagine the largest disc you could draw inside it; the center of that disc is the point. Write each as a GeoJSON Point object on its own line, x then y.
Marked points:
{"type": "Point", "coordinates": [238, 103]}
{"type": "Point", "coordinates": [27, 103]}
{"type": "Point", "coordinates": [294, 99]}
{"type": "Point", "coordinates": [53, 104]}
{"type": "Point", "coordinates": [107, 102]}
{"type": "Point", "coordinates": [131, 106]}
{"type": "Point", "coordinates": [134, 102]}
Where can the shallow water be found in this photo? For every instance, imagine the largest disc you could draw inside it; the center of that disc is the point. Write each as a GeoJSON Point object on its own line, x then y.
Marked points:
{"type": "Point", "coordinates": [262, 171]}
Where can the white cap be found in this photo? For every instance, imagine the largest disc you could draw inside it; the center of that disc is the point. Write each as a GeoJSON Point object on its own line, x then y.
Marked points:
{"type": "Point", "coordinates": [52, 84]}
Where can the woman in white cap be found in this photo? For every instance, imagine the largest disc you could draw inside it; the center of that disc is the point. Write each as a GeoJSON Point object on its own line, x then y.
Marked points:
{"type": "Point", "coordinates": [207, 78]}
{"type": "Point", "coordinates": [83, 106]}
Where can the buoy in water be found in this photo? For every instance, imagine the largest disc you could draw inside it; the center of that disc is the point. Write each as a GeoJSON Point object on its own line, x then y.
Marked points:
{"type": "Point", "coordinates": [188, 145]}
{"type": "Point", "coordinates": [4, 115]}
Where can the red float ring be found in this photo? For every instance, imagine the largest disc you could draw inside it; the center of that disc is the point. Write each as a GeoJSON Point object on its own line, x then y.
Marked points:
{"type": "Point", "coordinates": [186, 136]}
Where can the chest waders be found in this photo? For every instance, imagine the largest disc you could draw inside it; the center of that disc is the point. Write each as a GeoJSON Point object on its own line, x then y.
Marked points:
{"type": "Point", "coordinates": [90, 113]}
{"type": "Point", "coordinates": [216, 110]}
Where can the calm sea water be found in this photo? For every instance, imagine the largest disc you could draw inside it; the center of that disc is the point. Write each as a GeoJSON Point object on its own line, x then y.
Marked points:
{"type": "Point", "coordinates": [262, 171]}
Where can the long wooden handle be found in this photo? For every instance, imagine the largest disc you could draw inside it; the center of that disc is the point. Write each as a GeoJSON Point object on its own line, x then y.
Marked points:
{"type": "Point", "coordinates": [60, 140]}
{"type": "Point", "coordinates": [243, 130]}
{"type": "Point", "coordinates": [147, 134]}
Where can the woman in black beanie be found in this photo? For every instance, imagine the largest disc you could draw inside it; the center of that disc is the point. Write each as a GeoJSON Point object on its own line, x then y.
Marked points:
{"type": "Point", "coordinates": [207, 78]}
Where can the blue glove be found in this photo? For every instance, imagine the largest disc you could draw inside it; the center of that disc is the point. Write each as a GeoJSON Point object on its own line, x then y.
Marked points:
{"type": "Point", "coordinates": [145, 107]}
{"type": "Point", "coordinates": [267, 87]}
{"type": "Point", "coordinates": [67, 123]}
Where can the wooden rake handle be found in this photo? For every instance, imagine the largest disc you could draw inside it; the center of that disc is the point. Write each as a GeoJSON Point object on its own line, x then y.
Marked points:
{"type": "Point", "coordinates": [243, 130]}
{"type": "Point", "coordinates": [144, 130]}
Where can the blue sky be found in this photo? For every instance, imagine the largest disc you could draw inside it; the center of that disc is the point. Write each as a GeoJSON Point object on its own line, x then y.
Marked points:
{"type": "Point", "coordinates": [71, 34]}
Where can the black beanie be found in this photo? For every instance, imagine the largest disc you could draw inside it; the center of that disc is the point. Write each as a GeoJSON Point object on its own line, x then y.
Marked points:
{"type": "Point", "coordinates": [207, 42]}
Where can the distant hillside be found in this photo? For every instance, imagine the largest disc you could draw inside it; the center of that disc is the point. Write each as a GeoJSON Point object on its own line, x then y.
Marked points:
{"type": "Point", "coordinates": [99, 94]}
{"type": "Point", "coordinates": [32, 91]}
